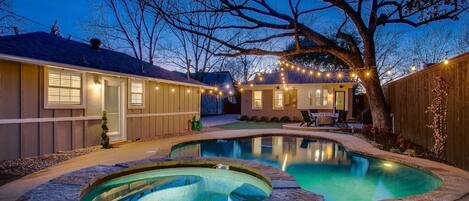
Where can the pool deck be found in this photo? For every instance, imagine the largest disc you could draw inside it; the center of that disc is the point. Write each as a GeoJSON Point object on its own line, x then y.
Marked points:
{"type": "Point", "coordinates": [455, 181]}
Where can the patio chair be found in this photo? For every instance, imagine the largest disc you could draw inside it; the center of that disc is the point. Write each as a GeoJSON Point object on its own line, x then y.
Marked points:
{"type": "Point", "coordinates": [341, 121]}
{"type": "Point", "coordinates": [306, 118]}
{"type": "Point", "coordinates": [315, 118]}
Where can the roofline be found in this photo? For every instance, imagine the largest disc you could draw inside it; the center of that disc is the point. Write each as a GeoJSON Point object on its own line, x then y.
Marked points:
{"type": "Point", "coordinates": [98, 71]}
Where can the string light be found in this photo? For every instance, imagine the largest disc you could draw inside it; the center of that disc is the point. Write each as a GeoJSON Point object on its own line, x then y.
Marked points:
{"type": "Point", "coordinates": [328, 74]}
{"type": "Point", "coordinates": [339, 75]}
{"type": "Point", "coordinates": [251, 85]}
{"type": "Point", "coordinates": [210, 92]}
{"type": "Point", "coordinates": [188, 91]}
{"type": "Point", "coordinates": [297, 68]}
{"type": "Point", "coordinates": [311, 72]}
{"type": "Point", "coordinates": [216, 88]}
{"type": "Point", "coordinates": [202, 90]}
{"type": "Point", "coordinates": [413, 68]}
{"type": "Point", "coordinates": [241, 89]}
{"type": "Point", "coordinates": [446, 61]}
{"type": "Point", "coordinates": [367, 74]}
{"type": "Point", "coordinates": [389, 72]}
{"type": "Point", "coordinates": [220, 93]}
{"type": "Point", "coordinates": [303, 71]}
{"type": "Point", "coordinates": [230, 92]}
{"type": "Point", "coordinates": [318, 74]}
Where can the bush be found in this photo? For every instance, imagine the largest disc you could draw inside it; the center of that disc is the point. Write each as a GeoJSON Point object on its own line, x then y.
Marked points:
{"type": "Point", "coordinates": [244, 118]}
{"type": "Point", "coordinates": [285, 119]}
{"type": "Point", "coordinates": [274, 119]}
{"type": "Point", "coordinates": [264, 119]}
{"type": "Point", "coordinates": [254, 118]}
{"type": "Point", "coordinates": [296, 119]}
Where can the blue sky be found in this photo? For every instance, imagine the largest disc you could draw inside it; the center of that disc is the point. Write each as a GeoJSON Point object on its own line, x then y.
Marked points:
{"type": "Point", "coordinates": [72, 15]}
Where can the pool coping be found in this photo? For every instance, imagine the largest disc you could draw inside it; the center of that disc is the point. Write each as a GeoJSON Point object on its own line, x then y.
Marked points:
{"type": "Point", "coordinates": [455, 181]}
{"type": "Point", "coordinates": [72, 186]}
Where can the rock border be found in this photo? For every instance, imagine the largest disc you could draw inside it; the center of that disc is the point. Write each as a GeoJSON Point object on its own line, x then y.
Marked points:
{"type": "Point", "coordinates": [72, 186]}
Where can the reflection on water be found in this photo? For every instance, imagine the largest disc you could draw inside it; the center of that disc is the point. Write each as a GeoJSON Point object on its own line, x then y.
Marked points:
{"type": "Point", "coordinates": [278, 150]}
{"type": "Point", "coordinates": [320, 166]}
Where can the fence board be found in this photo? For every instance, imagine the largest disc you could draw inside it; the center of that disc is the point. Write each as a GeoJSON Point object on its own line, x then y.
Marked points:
{"type": "Point", "coordinates": [410, 96]}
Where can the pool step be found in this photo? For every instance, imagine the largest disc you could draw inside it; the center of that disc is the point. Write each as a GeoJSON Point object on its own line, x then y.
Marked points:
{"type": "Point", "coordinates": [285, 184]}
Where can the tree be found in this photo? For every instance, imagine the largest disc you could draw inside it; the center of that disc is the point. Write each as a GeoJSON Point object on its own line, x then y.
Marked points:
{"type": "Point", "coordinates": [365, 18]}
{"type": "Point", "coordinates": [193, 51]}
{"type": "Point", "coordinates": [133, 27]}
{"type": "Point", "coordinates": [437, 45]}
{"type": "Point", "coordinates": [242, 68]}
{"type": "Point", "coordinates": [8, 20]}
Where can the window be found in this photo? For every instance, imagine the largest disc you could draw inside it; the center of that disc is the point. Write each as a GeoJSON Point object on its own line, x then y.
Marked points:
{"type": "Point", "coordinates": [64, 88]}
{"type": "Point", "coordinates": [317, 97]}
{"type": "Point", "coordinates": [136, 93]}
{"type": "Point", "coordinates": [278, 99]}
{"type": "Point", "coordinates": [326, 97]}
{"type": "Point", "coordinates": [257, 100]}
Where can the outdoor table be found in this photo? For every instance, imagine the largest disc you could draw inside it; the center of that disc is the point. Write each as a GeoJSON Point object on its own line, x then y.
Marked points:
{"type": "Point", "coordinates": [333, 115]}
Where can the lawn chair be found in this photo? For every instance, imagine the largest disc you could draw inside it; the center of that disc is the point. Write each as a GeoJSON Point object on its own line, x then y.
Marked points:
{"type": "Point", "coordinates": [341, 121]}
{"type": "Point", "coordinates": [307, 118]}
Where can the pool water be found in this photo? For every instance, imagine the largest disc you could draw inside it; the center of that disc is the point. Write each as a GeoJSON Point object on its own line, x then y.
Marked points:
{"type": "Point", "coordinates": [182, 184]}
{"type": "Point", "coordinates": [321, 166]}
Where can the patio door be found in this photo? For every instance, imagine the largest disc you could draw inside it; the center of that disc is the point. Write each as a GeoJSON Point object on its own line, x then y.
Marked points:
{"type": "Point", "coordinates": [113, 105]}
{"type": "Point", "coordinates": [340, 100]}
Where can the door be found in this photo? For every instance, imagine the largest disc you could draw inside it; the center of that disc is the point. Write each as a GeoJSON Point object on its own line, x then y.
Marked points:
{"type": "Point", "coordinates": [340, 100]}
{"type": "Point", "coordinates": [113, 106]}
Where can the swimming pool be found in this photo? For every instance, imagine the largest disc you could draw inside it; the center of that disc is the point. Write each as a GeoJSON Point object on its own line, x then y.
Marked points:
{"type": "Point", "coordinates": [182, 184]}
{"type": "Point", "coordinates": [321, 166]}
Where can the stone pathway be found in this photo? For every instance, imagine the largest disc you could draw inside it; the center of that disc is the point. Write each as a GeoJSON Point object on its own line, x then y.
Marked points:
{"type": "Point", "coordinates": [211, 121]}
{"type": "Point", "coordinates": [455, 181]}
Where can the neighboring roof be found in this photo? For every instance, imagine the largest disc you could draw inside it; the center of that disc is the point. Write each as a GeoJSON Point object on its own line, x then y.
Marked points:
{"type": "Point", "coordinates": [213, 78]}
{"type": "Point", "coordinates": [294, 77]}
{"type": "Point", "coordinates": [47, 47]}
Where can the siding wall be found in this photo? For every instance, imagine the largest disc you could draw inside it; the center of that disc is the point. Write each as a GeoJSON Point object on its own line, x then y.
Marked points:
{"type": "Point", "coordinates": [267, 105]}
{"type": "Point", "coordinates": [293, 99]}
{"type": "Point", "coordinates": [22, 96]}
{"type": "Point", "coordinates": [410, 96]}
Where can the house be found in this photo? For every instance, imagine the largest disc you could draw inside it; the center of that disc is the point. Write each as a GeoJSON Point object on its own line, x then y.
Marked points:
{"type": "Point", "coordinates": [53, 92]}
{"type": "Point", "coordinates": [268, 96]}
{"type": "Point", "coordinates": [222, 100]}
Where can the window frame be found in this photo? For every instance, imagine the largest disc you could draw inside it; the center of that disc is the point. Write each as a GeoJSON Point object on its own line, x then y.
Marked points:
{"type": "Point", "coordinates": [47, 105]}
{"type": "Point", "coordinates": [130, 104]}
{"type": "Point", "coordinates": [254, 100]}
{"type": "Point", "coordinates": [274, 98]}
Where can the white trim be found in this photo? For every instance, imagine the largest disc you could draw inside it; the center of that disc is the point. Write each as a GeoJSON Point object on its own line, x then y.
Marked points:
{"type": "Point", "coordinates": [63, 106]}
{"type": "Point", "coordinates": [48, 119]}
{"type": "Point", "coordinates": [160, 114]}
{"type": "Point", "coordinates": [92, 70]}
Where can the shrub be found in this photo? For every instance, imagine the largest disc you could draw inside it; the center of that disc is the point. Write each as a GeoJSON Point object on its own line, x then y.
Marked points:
{"type": "Point", "coordinates": [244, 118]}
{"type": "Point", "coordinates": [285, 119]}
{"type": "Point", "coordinates": [264, 118]}
{"type": "Point", "coordinates": [254, 118]}
{"type": "Point", "coordinates": [274, 119]}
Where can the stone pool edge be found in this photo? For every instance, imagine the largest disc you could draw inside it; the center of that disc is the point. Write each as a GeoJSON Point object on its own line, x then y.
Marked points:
{"type": "Point", "coordinates": [73, 185]}
{"type": "Point", "coordinates": [455, 181]}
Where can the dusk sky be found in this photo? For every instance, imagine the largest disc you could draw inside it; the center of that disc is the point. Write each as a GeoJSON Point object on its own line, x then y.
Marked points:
{"type": "Point", "coordinates": [74, 16]}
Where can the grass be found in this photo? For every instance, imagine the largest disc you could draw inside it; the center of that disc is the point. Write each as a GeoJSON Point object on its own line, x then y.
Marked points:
{"type": "Point", "coordinates": [250, 125]}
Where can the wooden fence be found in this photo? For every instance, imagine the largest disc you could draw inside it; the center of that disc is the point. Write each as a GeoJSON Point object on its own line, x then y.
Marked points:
{"type": "Point", "coordinates": [410, 96]}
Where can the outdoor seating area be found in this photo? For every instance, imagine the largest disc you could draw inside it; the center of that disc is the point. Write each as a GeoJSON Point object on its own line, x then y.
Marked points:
{"type": "Point", "coordinates": [337, 118]}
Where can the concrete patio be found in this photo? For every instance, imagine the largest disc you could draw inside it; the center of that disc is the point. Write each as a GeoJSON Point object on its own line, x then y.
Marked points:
{"type": "Point", "coordinates": [455, 181]}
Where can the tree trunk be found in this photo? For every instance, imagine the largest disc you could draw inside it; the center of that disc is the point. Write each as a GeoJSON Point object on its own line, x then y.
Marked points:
{"type": "Point", "coordinates": [377, 101]}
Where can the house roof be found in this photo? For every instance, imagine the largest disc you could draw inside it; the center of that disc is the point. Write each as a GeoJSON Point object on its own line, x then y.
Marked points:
{"type": "Point", "coordinates": [214, 78]}
{"type": "Point", "coordinates": [295, 77]}
{"type": "Point", "coordinates": [50, 48]}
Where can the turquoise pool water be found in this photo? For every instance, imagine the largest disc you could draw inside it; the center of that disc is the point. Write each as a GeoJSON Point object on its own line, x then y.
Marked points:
{"type": "Point", "coordinates": [182, 184]}
{"type": "Point", "coordinates": [321, 166]}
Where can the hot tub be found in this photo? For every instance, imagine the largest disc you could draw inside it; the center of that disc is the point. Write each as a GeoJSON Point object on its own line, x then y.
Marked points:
{"type": "Point", "coordinates": [182, 184]}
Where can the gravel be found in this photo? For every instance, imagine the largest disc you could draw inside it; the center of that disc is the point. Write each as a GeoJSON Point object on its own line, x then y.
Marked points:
{"type": "Point", "coordinates": [14, 169]}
